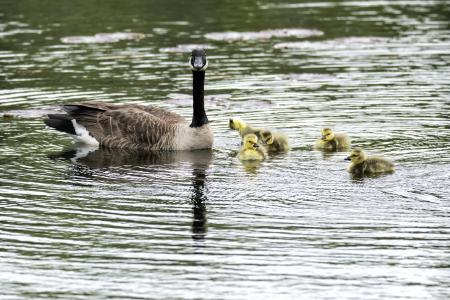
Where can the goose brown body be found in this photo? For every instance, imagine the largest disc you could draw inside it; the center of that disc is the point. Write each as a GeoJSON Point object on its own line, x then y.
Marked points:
{"type": "Point", "coordinates": [138, 127]}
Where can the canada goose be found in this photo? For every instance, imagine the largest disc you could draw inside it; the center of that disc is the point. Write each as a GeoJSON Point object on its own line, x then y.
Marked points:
{"type": "Point", "coordinates": [274, 141]}
{"type": "Point", "coordinates": [332, 141]}
{"type": "Point", "coordinates": [251, 150]}
{"type": "Point", "coordinates": [242, 127]}
{"type": "Point", "coordinates": [362, 164]}
{"type": "Point", "coordinates": [138, 127]}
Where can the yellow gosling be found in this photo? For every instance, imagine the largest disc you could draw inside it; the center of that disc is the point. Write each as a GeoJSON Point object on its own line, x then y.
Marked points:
{"type": "Point", "coordinates": [331, 141]}
{"type": "Point", "coordinates": [361, 164]}
{"type": "Point", "coordinates": [274, 141]}
{"type": "Point", "coordinates": [242, 127]}
{"type": "Point", "coordinates": [250, 149]}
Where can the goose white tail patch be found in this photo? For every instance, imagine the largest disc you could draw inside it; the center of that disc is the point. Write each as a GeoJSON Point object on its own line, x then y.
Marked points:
{"type": "Point", "coordinates": [83, 135]}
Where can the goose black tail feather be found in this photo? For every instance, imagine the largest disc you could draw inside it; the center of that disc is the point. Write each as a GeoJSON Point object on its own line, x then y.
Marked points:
{"type": "Point", "coordinates": [61, 123]}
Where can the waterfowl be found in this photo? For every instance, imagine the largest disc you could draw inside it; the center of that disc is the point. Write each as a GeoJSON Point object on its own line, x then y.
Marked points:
{"type": "Point", "coordinates": [362, 164]}
{"type": "Point", "coordinates": [251, 150]}
{"type": "Point", "coordinates": [274, 141]}
{"type": "Point", "coordinates": [332, 141]}
{"type": "Point", "coordinates": [242, 127]}
{"type": "Point", "coordinates": [139, 127]}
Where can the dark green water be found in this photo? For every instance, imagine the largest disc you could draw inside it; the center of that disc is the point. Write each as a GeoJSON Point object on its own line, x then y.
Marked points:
{"type": "Point", "coordinates": [200, 225]}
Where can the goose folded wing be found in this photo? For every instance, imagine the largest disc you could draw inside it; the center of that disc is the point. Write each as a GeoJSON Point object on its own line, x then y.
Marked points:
{"type": "Point", "coordinates": [128, 128]}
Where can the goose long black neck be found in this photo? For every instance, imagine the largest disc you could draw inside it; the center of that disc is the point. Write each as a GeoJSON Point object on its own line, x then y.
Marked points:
{"type": "Point", "coordinates": [199, 117]}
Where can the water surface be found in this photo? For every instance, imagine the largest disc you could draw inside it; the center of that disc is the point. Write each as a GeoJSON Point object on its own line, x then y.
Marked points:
{"type": "Point", "coordinates": [81, 223]}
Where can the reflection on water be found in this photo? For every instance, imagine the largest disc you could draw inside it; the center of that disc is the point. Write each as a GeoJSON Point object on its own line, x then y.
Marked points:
{"type": "Point", "coordinates": [102, 224]}
{"type": "Point", "coordinates": [198, 200]}
{"type": "Point", "coordinates": [87, 160]}
{"type": "Point", "coordinates": [101, 157]}
{"type": "Point", "coordinates": [251, 166]}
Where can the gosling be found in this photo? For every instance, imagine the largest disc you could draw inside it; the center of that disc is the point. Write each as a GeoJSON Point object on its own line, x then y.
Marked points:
{"type": "Point", "coordinates": [242, 127]}
{"type": "Point", "coordinates": [274, 141]}
{"type": "Point", "coordinates": [361, 164]}
{"type": "Point", "coordinates": [251, 150]}
{"type": "Point", "coordinates": [331, 141]}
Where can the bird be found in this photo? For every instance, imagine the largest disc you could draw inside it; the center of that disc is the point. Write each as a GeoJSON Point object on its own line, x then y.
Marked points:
{"type": "Point", "coordinates": [274, 141]}
{"type": "Point", "coordinates": [331, 141]}
{"type": "Point", "coordinates": [140, 127]}
{"type": "Point", "coordinates": [361, 164]}
{"type": "Point", "coordinates": [242, 127]}
{"type": "Point", "coordinates": [250, 149]}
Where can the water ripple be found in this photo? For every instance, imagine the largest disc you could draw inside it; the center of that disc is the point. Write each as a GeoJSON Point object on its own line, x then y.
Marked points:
{"type": "Point", "coordinates": [264, 34]}
{"type": "Point", "coordinates": [102, 224]}
{"type": "Point", "coordinates": [101, 38]}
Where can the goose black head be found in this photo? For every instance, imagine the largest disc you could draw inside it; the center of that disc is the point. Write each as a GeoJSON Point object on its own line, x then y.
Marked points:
{"type": "Point", "coordinates": [198, 61]}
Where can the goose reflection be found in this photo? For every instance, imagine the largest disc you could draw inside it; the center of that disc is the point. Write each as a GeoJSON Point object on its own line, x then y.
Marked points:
{"type": "Point", "coordinates": [89, 161]}
{"type": "Point", "coordinates": [198, 201]}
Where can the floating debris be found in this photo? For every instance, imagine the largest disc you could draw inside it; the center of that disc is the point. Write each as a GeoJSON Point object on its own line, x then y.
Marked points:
{"type": "Point", "coordinates": [262, 35]}
{"type": "Point", "coordinates": [7, 116]}
{"type": "Point", "coordinates": [102, 38]}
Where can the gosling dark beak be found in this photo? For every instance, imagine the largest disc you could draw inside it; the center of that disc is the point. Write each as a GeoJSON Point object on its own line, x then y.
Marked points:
{"type": "Point", "coordinates": [230, 123]}
{"type": "Point", "coordinates": [323, 138]}
{"type": "Point", "coordinates": [256, 146]}
{"type": "Point", "coordinates": [347, 158]}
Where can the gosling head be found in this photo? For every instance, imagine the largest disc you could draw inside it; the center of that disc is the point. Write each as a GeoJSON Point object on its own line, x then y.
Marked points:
{"type": "Point", "coordinates": [357, 156]}
{"type": "Point", "coordinates": [266, 137]}
{"type": "Point", "coordinates": [327, 134]}
{"type": "Point", "coordinates": [198, 61]}
{"type": "Point", "coordinates": [251, 142]}
{"type": "Point", "coordinates": [236, 124]}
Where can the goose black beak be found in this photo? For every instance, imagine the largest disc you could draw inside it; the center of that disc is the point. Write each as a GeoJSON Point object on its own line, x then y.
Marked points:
{"type": "Point", "coordinates": [256, 146]}
{"type": "Point", "coordinates": [323, 138]}
{"type": "Point", "coordinates": [198, 60]}
{"type": "Point", "coordinates": [347, 158]}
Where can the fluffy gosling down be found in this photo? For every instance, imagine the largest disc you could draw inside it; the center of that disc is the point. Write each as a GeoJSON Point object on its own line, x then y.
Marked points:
{"type": "Point", "coordinates": [242, 127]}
{"type": "Point", "coordinates": [274, 141]}
{"type": "Point", "coordinates": [361, 164]}
{"type": "Point", "coordinates": [333, 141]}
{"type": "Point", "coordinates": [251, 150]}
